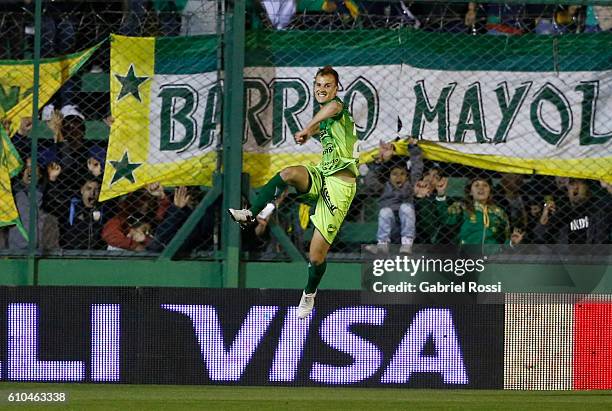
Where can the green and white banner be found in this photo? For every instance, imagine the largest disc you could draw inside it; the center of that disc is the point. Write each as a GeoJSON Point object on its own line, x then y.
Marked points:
{"type": "Point", "coordinates": [545, 122]}
{"type": "Point", "coordinates": [542, 122]}
{"type": "Point", "coordinates": [528, 104]}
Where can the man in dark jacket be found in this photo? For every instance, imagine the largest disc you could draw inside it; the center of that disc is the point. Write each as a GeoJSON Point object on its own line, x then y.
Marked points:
{"type": "Point", "coordinates": [577, 219]}
{"type": "Point", "coordinates": [85, 219]}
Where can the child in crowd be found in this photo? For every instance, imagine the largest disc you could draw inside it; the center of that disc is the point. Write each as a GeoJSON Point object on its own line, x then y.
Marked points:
{"type": "Point", "coordinates": [398, 198]}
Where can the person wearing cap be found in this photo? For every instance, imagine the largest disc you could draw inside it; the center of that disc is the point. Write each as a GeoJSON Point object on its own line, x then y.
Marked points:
{"type": "Point", "coordinates": [481, 221]}
{"type": "Point", "coordinates": [77, 157]}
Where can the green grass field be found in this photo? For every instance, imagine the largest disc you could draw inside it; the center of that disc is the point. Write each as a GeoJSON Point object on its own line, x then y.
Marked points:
{"type": "Point", "coordinates": [175, 397]}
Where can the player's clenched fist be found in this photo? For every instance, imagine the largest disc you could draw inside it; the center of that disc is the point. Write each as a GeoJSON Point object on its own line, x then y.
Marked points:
{"type": "Point", "coordinates": [301, 136]}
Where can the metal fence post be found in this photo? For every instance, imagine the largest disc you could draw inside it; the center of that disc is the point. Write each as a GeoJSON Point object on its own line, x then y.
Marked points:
{"type": "Point", "coordinates": [33, 191]}
{"type": "Point", "coordinates": [233, 123]}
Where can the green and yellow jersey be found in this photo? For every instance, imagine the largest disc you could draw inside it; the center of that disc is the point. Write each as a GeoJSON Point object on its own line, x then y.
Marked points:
{"type": "Point", "coordinates": [338, 137]}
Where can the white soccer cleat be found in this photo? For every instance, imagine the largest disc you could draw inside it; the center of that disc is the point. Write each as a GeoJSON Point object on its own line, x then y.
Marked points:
{"type": "Point", "coordinates": [243, 217]}
{"type": "Point", "coordinates": [306, 305]}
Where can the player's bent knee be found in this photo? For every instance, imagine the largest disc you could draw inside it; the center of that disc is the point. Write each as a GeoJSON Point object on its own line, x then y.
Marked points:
{"type": "Point", "coordinates": [316, 256]}
{"type": "Point", "coordinates": [296, 176]}
{"type": "Point", "coordinates": [289, 175]}
{"type": "Point", "coordinates": [317, 259]}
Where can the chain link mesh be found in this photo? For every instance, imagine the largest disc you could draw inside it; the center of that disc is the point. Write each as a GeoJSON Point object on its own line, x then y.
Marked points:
{"type": "Point", "coordinates": [452, 64]}
{"type": "Point", "coordinates": [492, 61]}
{"type": "Point", "coordinates": [74, 150]}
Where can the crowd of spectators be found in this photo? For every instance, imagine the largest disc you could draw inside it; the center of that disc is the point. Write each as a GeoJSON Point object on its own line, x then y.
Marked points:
{"type": "Point", "coordinates": [71, 24]}
{"type": "Point", "coordinates": [68, 25]}
{"type": "Point", "coordinates": [414, 206]}
{"type": "Point", "coordinates": [69, 174]}
{"type": "Point", "coordinates": [70, 217]}
{"type": "Point", "coordinates": [518, 209]}
{"type": "Point", "coordinates": [413, 203]}
{"type": "Point", "coordinates": [453, 17]}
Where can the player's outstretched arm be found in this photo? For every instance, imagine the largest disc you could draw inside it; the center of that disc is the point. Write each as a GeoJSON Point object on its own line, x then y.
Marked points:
{"type": "Point", "coordinates": [329, 110]}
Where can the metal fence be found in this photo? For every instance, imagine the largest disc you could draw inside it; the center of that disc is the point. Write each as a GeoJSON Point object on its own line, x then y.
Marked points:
{"type": "Point", "coordinates": [510, 100]}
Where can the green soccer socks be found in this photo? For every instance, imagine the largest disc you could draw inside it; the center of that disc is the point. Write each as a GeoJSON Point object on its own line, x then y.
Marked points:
{"type": "Point", "coordinates": [268, 193]}
{"type": "Point", "coordinates": [315, 273]}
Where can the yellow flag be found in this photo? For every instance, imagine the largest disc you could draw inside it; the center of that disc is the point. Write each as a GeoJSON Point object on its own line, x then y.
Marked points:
{"type": "Point", "coordinates": [16, 98]}
{"type": "Point", "coordinates": [17, 82]}
{"type": "Point", "coordinates": [595, 168]}
{"type": "Point", "coordinates": [8, 211]}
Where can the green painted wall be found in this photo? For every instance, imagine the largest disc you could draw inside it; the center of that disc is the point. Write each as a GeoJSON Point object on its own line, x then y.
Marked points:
{"type": "Point", "coordinates": [145, 273]}
{"type": "Point", "coordinates": [548, 278]}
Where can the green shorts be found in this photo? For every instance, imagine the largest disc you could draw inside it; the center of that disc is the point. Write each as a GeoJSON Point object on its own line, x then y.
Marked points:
{"type": "Point", "coordinates": [333, 197]}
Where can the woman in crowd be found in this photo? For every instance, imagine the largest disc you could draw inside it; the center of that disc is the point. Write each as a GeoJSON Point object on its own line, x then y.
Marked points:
{"type": "Point", "coordinates": [481, 221]}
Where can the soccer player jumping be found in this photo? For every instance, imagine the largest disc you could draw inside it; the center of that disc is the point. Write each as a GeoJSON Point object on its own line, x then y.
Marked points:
{"type": "Point", "coordinates": [331, 182]}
